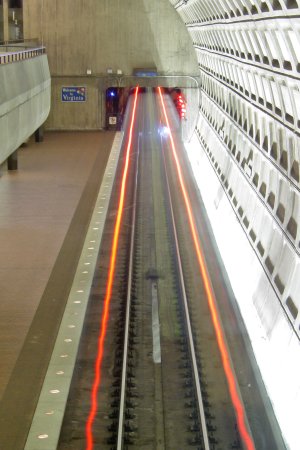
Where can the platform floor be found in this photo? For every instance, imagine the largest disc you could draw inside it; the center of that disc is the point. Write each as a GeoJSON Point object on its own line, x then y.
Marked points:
{"type": "Point", "coordinates": [45, 210]}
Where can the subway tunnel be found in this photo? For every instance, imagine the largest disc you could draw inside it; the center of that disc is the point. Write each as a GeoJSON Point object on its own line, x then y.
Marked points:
{"type": "Point", "coordinates": [238, 64]}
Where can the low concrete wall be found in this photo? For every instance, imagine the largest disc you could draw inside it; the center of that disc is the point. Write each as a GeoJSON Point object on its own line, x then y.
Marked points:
{"type": "Point", "coordinates": [24, 101]}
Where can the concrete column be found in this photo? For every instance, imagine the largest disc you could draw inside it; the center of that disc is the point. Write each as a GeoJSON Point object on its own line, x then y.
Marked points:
{"type": "Point", "coordinates": [5, 21]}
{"type": "Point", "coordinates": [39, 134]}
{"type": "Point", "coordinates": [12, 161]}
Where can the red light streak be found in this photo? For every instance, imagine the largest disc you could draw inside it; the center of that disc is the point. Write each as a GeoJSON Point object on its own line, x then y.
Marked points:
{"type": "Point", "coordinates": [233, 389]}
{"type": "Point", "coordinates": [108, 293]}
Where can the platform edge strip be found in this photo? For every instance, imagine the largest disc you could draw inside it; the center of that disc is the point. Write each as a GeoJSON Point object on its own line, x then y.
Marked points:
{"type": "Point", "coordinates": [48, 417]}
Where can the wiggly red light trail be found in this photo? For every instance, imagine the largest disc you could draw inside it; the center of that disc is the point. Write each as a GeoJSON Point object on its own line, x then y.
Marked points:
{"type": "Point", "coordinates": [233, 389]}
{"type": "Point", "coordinates": [108, 293]}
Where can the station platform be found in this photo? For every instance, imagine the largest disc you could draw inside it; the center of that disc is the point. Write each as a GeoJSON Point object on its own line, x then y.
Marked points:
{"type": "Point", "coordinates": [45, 210]}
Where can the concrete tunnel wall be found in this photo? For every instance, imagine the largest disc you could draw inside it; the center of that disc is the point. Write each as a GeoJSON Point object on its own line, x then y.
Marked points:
{"type": "Point", "coordinates": [98, 35]}
{"type": "Point", "coordinates": [24, 101]}
{"type": "Point", "coordinates": [246, 153]}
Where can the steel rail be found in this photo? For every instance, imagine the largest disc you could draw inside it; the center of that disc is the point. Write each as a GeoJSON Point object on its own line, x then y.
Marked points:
{"type": "Point", "coordinates": [9, 57]}
{"type": "Point", "coordinates": [109, 287]}
{"type": "Point", "coordinates": [187, 318]}
{"type": "Point", "coordinates": [128, 307]}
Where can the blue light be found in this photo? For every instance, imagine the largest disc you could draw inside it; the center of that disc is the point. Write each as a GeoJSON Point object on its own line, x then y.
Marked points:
{"type": "Point", "coordinates": [111, 93]}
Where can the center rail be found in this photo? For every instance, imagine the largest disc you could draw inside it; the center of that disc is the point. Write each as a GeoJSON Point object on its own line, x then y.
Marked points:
{"type": "Point", "coordinates": [128, 308]}
{"type": "Point", "coordinates": [187, 319]}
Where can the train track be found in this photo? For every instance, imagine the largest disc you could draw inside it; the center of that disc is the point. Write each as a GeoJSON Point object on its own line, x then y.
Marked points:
{"type": "Point", "coordinates": [162, 381]}
{"type": "Point", "coordinates": [125, 428]}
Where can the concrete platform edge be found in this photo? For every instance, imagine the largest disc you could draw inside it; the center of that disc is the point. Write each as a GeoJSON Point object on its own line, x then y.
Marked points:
{"type": "Point", "coordinates": [46, 424]}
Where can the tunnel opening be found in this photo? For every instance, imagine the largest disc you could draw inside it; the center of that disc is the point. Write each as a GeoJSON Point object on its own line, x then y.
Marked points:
{"type": "Point", "coordinates": [116, 100]}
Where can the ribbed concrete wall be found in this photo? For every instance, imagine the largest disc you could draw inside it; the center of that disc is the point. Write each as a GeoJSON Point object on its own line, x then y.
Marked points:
{"type": "Point", "coordinates": [248, 135]}
{"type": "Point", "coordinates": [24, 101]}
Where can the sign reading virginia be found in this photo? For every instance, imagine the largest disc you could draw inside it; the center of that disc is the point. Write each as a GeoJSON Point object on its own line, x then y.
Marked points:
{"type": "Point", "coordinates": [73, 93]}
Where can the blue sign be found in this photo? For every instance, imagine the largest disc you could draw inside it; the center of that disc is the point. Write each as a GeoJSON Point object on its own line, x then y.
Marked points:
{"type": "Point", "coordinates": [73, 93]}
